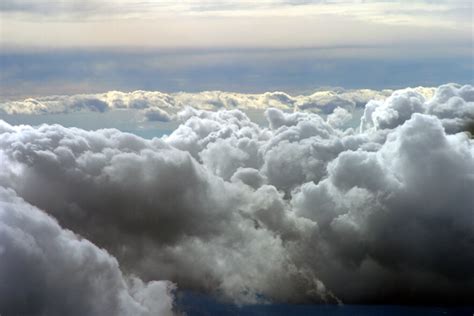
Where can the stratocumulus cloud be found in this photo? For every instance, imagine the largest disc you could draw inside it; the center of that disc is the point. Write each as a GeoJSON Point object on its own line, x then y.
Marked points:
{"type": "Point", "coordinates": [156, 105]}
{"type": "Point", "coordinates": [300, 211]}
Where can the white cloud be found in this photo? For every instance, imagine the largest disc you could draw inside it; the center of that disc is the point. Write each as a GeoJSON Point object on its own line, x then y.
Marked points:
{"type": "Point", "coordinates": [300, 211]}
{"type": "Point", "coordinates": [159, 102]}
{"type": "Point", "coordinates": [339, 117]}
{"type": "Point", "coordinates": [452, 104]}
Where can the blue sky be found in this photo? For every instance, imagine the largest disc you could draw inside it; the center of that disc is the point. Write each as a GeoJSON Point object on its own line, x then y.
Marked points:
{"type": "Point", "coordinates": [64, 47]}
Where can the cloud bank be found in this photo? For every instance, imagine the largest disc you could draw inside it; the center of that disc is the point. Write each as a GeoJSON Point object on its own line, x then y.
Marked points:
{"type": "Point", "coordinates": [301, 211]}
{"type": "Point", "coordinates": [159, 106]}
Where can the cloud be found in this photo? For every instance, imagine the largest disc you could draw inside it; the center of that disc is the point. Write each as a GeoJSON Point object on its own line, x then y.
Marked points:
{"type": "Point", "coordinates": [401, 210]}
{"type": "Point", "coordinates": [157, 209]}
{"type": "Point", "coordinates": [160, 103]}
{"type": "Point", "coordinates": [421, 12]}
{"type": "Point", "coordinates": [45, 269]}
{"type": "Point", "coordinates": [452, 104]}
{"type": "Point", "coordinates": [157, 115]}
{"type": "Point", "coordinates": [339, 117]}
{"type": "Point", "coordinates": [299, 211]}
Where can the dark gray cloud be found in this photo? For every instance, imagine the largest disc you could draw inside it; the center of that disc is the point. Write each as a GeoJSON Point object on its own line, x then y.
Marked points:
{"type": "Point", "coordinates": [399, 212]}
{"type": "Point", "coordinates": [46, 270]}
{"type": "Point", "coordinates": [301, 211]}
{"type": "Point", "coordinates": [157, 209]}
{"type": "Point", "coordinates": [48, 7]}
{"type": "Point", "coordinates": [157, 115]}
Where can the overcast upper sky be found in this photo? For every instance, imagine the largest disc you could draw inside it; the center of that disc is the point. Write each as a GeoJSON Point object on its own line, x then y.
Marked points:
{"type": "Point", "coordinates": [77, 46]}
{"type": "Point", "coordinates": [206, 24]}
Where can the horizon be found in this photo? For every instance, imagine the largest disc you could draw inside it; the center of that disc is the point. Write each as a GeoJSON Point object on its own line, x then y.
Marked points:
{"type": "Point", "coordinates": [70, 47]}
{"type": "Point", "coordinates": [204, 157]}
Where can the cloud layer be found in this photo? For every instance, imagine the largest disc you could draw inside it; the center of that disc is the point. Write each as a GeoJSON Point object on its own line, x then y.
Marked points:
{"type": "Point", "coordinates": [157, 105]}
{"type": "Point", "coordinates": [300, 211]}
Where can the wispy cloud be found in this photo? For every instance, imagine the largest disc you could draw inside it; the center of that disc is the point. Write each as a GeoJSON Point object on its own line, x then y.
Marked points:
{"type": "Point", "coordinates": [380, 10]}
{"type": "Point", "coordinates": [212, 23]}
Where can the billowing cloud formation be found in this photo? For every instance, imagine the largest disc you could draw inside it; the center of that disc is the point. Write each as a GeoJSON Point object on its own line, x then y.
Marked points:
{"type": "Point", "coordinates": [158, 209]}
{"type": "Point", "coordinates": [156, 104]}
{"type": "Point", "coordinates": [452, 104]}
{"type": "Point", "coordinates": [300, 211]}
{"type": "Point", "coordinates": [46, 270]}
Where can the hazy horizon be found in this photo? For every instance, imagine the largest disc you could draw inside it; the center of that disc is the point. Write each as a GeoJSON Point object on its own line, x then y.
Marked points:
{"type": "Point", "coordinates": [203, 157]}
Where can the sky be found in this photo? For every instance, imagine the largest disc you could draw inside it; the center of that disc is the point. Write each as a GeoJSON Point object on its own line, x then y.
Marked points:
{"type": "Point", "coordinates": [239, 157]}
{"type": "Point", "coordinates": [68, 47]}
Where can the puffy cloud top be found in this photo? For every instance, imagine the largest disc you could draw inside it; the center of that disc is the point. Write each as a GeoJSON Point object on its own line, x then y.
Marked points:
{"type": "Point", "coordinates": [452, 104]}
